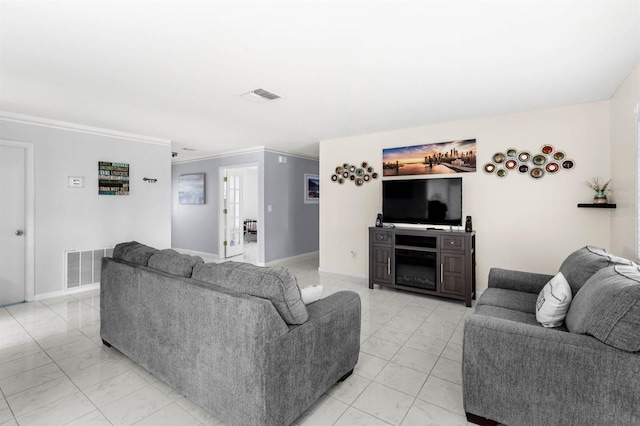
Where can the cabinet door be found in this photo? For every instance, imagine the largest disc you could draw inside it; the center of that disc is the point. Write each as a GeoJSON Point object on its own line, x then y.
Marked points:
{"type": "Point", "coordinates": [452, 273]}
{"type": "Point", "coordinates": [382, 264]}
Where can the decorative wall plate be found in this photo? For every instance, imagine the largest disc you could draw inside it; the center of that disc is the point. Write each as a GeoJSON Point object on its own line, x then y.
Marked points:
{"type": "Point", "coordinates": [523, 168]}
{"type": "Point", "coordinates": [568, 164]}
{"type": "Point", "coordinates": [546, 149]}
{"type": "Point", "coordinates": [511, 164]}
{"type": "Point", "coordinates": [511, 152]}
{"type": "Point", "coordinates": [489, 168]}
{"type": "Point", "coordinates": [498, 157]}
{"type": "Point", "coordinates": [524, 156]}
{"type": "Point", "coordinates": [536, 173]}
{"type": "Point", "coordinates": [552, 167]}
{"type": "Point", "coordinates": [559, 155]}
{"type": "Point", "coordinates": [501, 173]}
{"type": "Point", "coordinates": [539, 160]}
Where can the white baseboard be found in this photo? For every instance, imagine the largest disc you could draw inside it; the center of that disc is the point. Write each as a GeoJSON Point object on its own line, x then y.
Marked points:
{"type": "Point", "coordinates": [298, 258]}
{"type": "Point", "coordinates": [349, 274]}
{"type": "Point", "coordinates": [67, 292]}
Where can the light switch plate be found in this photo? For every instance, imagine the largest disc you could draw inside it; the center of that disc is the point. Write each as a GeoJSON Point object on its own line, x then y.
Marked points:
{"type": "Point", "coordinates": [76, 181]}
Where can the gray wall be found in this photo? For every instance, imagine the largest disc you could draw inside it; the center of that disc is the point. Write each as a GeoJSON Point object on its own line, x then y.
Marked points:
{"type": "Point", "coordinates": [80, 219]}
{"type": "Point", "coordinates": [290, 229]}
{"type": "Point", "coordinates": [195, 227]}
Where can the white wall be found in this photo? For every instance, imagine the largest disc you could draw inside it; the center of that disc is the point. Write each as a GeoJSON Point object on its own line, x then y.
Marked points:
{"type": "Point", "coordinates": [624, 166]}
{"type": "Point", "coordinates": [78, 219]}
{"type": "Point", "coordinates": [521, 223]}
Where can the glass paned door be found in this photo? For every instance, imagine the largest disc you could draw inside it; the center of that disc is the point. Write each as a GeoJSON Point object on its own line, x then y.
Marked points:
{"type": "Point", "coordinates": [233, 217]}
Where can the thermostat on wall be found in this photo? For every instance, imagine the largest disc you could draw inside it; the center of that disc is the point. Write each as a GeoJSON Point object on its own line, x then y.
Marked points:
{"type": "Point", "coordinates": [76, 181]}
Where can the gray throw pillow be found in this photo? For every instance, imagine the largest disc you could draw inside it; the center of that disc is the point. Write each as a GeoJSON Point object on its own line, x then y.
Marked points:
{"type": "Point", "coordinates": [133, 252]}
{"type": "Point", "coordinates": [172, 262]}
{"type": "Point", "coordinates": [580, 265]}
{"type": "Point", "coordinates": [608, 308]}
{"type": "Point", "coordinates": [275, 284]}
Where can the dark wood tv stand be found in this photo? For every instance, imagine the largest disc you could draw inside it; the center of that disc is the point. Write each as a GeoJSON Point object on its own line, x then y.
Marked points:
{"type": "Point", "coordinates": [435, 262]}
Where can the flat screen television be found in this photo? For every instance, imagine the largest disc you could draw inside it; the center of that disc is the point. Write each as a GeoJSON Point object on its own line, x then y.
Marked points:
{"type": "Point", "coordinates": [436, 201]}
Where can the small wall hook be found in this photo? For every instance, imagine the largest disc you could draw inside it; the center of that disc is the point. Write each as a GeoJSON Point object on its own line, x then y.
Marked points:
{"type": "Point", "coordinates": [150, 180]}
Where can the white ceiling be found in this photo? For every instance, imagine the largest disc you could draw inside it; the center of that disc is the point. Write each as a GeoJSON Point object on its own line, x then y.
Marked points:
{"type": "Point", "coordinates": [176, 69]}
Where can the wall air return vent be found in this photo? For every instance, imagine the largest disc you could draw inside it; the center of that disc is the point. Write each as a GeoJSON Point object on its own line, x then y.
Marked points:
{"type": "Point", "coordinates": [260, 96]}
{"type": "Point", "coordinates": [82, 267]}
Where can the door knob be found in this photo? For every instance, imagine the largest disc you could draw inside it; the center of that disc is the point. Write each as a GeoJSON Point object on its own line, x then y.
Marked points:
{"type": "Point", "coordinates": [19, 232]}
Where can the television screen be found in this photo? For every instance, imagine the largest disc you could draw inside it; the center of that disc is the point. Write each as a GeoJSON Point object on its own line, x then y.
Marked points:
{"type": "Point", "coordinates": [423, 201]}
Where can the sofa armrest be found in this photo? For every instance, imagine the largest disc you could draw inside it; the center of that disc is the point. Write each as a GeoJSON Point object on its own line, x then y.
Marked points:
{"type": "Point", "coordinates": [524, 374]}
{"type": "Point", "coordinates": [313, 356]}
{"type": "Point", "coordinates": [517, 280]}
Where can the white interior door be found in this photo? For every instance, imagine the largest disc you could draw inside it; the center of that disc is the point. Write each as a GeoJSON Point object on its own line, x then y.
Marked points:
{"type": "Point", "coordinates": [234, 230]}
{"type": "Point", "coordinates": [12, 224]}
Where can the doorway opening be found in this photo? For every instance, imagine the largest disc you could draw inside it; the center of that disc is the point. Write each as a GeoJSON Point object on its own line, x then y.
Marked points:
{"type": "Point", "coordinates": [239, 216]}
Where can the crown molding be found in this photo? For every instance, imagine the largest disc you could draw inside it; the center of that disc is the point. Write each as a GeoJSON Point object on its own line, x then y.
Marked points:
{"type": "Point", "coordinates": [241, 152]}
{"type": "Point", "coordinates": [306, 157]}
{"type": "Point", "coordinates": [79, 128]}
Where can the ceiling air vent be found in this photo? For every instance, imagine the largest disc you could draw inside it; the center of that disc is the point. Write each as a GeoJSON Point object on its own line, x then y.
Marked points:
{"type": "Point", "coordinates": [260, 96]}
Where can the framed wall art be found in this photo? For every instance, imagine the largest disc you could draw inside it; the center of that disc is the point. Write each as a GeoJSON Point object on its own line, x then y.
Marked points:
{"type": "Point", "coordinates": [311, 189]}
{"type": "Point", "coordinates": [434, 158]}
{"type": "Point", "coordinates": [191, 189]}
{"type": "Point", "coordinates": [113, 178]}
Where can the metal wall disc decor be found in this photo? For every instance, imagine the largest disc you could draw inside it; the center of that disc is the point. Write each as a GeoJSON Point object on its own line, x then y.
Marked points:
{"type": "Point", "coordinates": [548, 161]}
{"type": "Point", "coordinates": [358, 174]}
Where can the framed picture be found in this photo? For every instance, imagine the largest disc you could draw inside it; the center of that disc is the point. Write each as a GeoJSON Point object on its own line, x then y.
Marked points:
{"type": "Point", "coordinates": [113, 178]}
{"type": "Point", "coordinates": [311, 189]}
{"type": "Point", "coordinates": [434, 158]}
{"type": "Point", "coordinates": [191, 189]}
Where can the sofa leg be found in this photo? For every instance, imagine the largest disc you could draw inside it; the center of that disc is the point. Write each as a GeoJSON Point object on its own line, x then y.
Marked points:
{"type": "Point", "coordinates": [472, 418]}
{"type": "Point", "coordinates": [107, 344]}
{"type": "Point", "coordinates": [345, 377]}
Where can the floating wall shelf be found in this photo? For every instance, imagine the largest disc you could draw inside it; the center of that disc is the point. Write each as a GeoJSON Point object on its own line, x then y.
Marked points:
{"type": "Point", "coordinates": [598, 206]}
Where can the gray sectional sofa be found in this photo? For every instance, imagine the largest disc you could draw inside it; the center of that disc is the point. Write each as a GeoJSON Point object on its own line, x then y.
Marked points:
{"type": "Point", "coordinates": [586, 372]}
{"type": "Point", "coordinates": [234, 338]}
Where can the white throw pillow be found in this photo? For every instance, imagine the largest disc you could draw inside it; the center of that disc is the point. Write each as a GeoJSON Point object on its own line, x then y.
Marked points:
{"type": "Point", "coordinates": [553, 302]}
{"type": "Point", "coordinates": [311, 294]}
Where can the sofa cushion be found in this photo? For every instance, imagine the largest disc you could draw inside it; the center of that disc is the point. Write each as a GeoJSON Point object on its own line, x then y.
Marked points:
{"type": "Point", "coordinates": [580, 265]}
{"type": "Point", "coordinates": [275, 284]}
{"type": "Point", "coordinates": [172, 262]}
{"type": "Point", "coordinates": [133, 252]}
{"type": "Point", "coordinates": [553, 302]}
{"type": "Point", "coordinates": [608, 308]}
{"type": "Point", "coordinates": [510, 299]}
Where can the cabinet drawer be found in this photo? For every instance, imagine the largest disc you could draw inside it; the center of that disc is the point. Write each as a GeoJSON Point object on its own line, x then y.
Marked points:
{"type": "Point", "coordinates": [452, 242]}
{"type": "Point", "coordinates": [381, 237]}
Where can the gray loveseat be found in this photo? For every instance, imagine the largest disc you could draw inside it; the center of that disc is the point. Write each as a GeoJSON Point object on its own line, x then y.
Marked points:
{"type": "Point", "coordinates": [232, 337]}
{"type": "Point", "coordinates": [586, 372]}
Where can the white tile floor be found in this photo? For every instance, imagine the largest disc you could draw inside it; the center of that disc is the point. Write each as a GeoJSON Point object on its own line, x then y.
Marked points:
{"type": "Point", "coordinates": [54, 369]}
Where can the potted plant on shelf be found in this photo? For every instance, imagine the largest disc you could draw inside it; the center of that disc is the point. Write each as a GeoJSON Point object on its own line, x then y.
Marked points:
{"type": "Point", "coordinates": [600, 197]}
